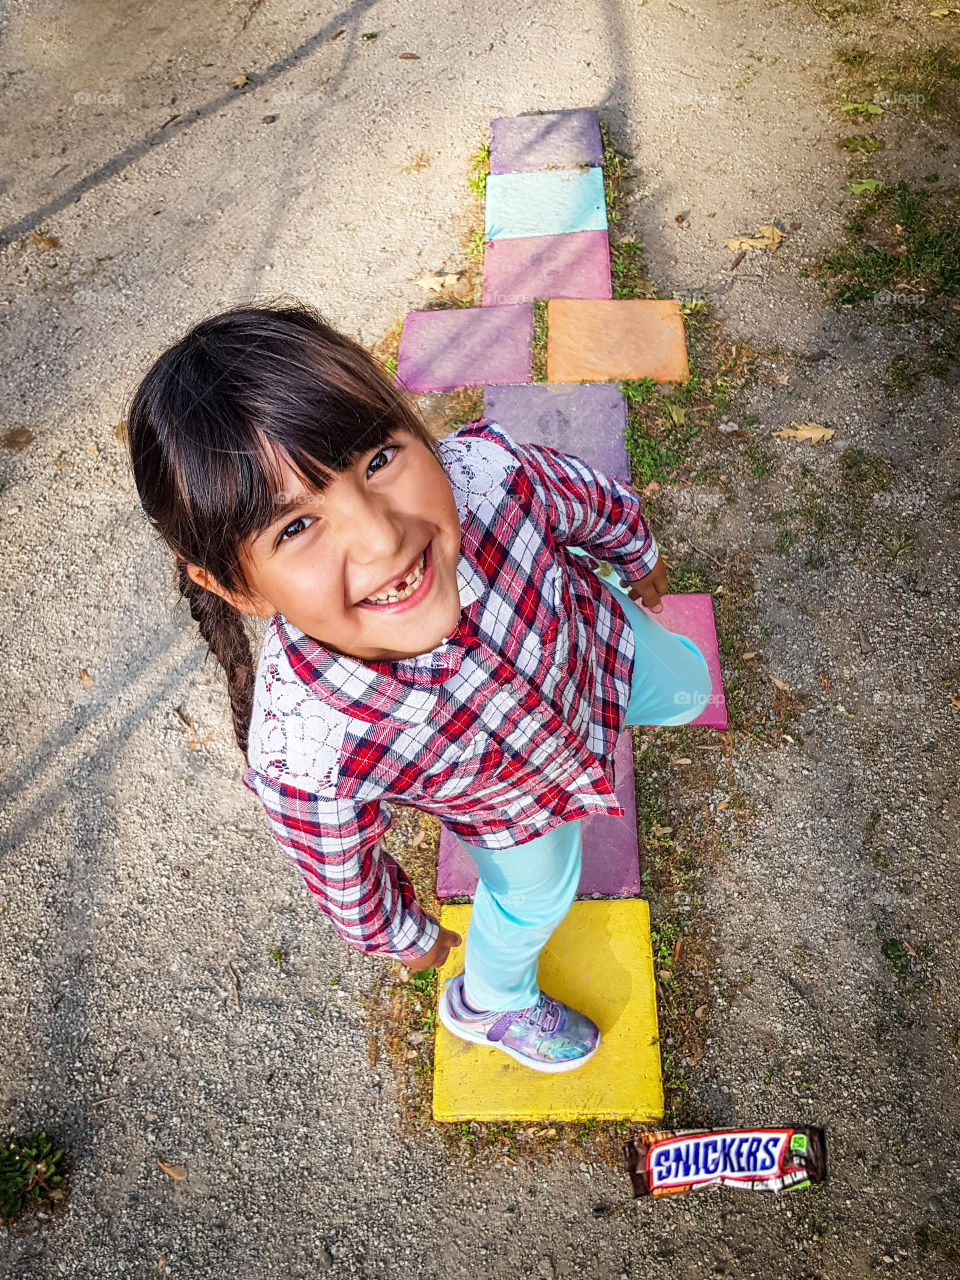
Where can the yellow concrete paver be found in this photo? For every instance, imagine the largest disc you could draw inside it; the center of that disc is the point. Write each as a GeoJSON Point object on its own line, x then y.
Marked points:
{"type": "Point", "coordinates": [599, 960]}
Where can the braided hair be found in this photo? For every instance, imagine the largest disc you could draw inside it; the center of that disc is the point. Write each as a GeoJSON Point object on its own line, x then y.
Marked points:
{"type": "Point", "coordinates": [206, 427]}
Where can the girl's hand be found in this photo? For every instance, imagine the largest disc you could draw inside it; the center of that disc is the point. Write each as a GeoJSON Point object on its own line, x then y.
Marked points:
{"type": "Point", "coordinates": [650, 588]}
{"type": "Point", "coordinates": [446, 941]}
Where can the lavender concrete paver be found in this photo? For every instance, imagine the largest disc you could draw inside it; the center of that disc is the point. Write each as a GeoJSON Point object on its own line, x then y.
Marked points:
{"type": "Point", "coordinates": [610, 859]}
{"type": "Point", "coordinates": [554, 139]}
{"type": "Point", "coordinates": [575, 265]}
{"type": "Point", "coordinates": [587, 420]}
{"type": "Point", "coordinates": [466, 347]}
{"type": "Point", "coordinates": [545, 204]}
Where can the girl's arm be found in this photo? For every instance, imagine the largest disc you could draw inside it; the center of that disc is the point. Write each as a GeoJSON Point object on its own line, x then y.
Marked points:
{"type": "Point", "coordinates": [588, 509]}
{"type": "Point", "coordinates": [335, 845]}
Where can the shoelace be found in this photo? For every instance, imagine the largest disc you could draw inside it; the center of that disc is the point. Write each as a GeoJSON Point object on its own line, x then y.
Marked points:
{"type": "Point", "coordinates": [545, 1014]}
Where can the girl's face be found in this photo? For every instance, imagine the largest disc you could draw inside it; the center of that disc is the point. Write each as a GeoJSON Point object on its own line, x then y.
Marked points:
{"type": "Point", "coordinates": [326, 553]}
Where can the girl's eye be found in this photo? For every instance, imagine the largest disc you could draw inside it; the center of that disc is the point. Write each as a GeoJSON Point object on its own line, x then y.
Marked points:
{"type": "Point", "coordinates": [300, 519]}
{"type": "Point", "coordinates": [292, 525]}
{"type": "Point", "coordinates": [381, 452]}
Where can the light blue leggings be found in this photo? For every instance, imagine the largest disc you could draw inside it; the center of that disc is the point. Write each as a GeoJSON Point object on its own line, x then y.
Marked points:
{"type": "Point", "coordinates": [525, 891]}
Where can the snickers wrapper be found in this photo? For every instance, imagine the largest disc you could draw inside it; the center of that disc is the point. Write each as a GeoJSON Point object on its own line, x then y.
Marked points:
{"type": "Point", "coordinates": [667, 1164]}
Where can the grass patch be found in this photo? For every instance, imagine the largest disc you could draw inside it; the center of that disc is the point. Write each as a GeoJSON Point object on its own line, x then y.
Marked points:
{"type": "Point", "coordinates": [921, 80]}
{"type": "Point", "coordinates": [29, 1173]}
{"type": "Point", "coordinates": [616, 176]}
{"type": "Point", "coordinates": [672, 842]}
{"type": "Point", "coordinates": [478, 167]}
{"type": "Point", "coordinates": [539, 340]}
{"type": "Point", "coordinates": [628, 270]}
{"type": "Point", "coordinates": [940, 1240]}
{"type": "Point", "coordinates": [897, 240]}
{"type": "Point", "coordinates": [904, 377]}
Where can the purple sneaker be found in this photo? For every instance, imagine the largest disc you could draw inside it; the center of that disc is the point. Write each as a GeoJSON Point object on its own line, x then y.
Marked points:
{"type": "Point", "coordinates": [549, 1036]}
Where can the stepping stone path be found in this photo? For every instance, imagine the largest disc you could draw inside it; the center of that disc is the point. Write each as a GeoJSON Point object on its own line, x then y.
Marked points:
{"type": "Point", "coordinates": [546, 237]}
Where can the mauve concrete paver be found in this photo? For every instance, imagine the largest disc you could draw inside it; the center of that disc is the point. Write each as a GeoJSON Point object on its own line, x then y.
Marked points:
{"type": "Point", "coordinates": [610, 861]}
{"type": "Point", "coordinates": [466, 347]}
{"type": "Point", "coordinates": [586, 420]}
{"type": "Point", "coordinates": [548, 140]}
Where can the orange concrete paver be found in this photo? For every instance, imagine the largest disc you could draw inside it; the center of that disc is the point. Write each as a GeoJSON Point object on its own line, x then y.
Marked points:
{"type": "Point", "coordinates": [601, 340]}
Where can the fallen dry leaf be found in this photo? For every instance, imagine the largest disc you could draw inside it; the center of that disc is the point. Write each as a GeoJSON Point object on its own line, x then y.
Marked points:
{"type": "Point", "coordinates": [17, 438]}
{"type": "Point", "coordinates": [780, 684]}
{"type": "Point", "coordinates": [175, 1171]}
{"type": "Point", "coordinates": [373, 1051]}
{"type": "Point", "coordinates": [700, 1012]}
{"type": "Point", "coordinates": [240, 81]}
{"type": "Point", "coordinates": [436, 284]}
{"type": "Point", "coordinates": [783, 379]}
{"type": "Point", "coordinates": [682, 760]}
{"type": "Point", "coordinates": [811, 431]}
{"type": "Point", "coordinates": [652, 489]}
{"type": "Point", "coordinates": [766, 237]}
{"type": "Point", "coordinates": [43, 241]}
{"type": "Point", "coordinates": [409, 57]}
{"type": "Point", "coordinates": [724, 804]}
{"type": "Point", "coordinates": [85, 680]}
{"type": "Point", "coordinates": [120, 430]}
{"type": "Point", "coordinates": [748, 656]}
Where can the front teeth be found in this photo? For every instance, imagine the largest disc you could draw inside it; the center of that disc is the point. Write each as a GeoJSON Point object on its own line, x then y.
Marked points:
{"type": "Point", "coordinates": [408, 590]}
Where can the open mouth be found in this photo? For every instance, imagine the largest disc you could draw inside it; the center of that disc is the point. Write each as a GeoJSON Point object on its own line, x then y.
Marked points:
{"type": "Point", "coordinates": [415, 587]}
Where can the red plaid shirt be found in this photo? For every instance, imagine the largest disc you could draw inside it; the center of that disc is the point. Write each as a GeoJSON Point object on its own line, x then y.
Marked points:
{"type": "Point", "coordinates": [504, 731]}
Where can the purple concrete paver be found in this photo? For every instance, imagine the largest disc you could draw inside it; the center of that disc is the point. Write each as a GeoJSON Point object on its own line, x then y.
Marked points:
{"type": "Point", "coordinates": [573, 265]}
{"type": "Point", "coordinates": [611, 864]}
{"type": "Point", "coordinates": [466, 347]}
{"type": "Point", "coordinates": [554, 139]}
{"type": "Point", "coordinates": [588, 420]}
{"type": "Point", "coordinates": [691, 614]}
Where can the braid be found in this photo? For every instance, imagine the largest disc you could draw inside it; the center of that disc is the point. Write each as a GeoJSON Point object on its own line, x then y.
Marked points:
{"type": "Point", "coordinates": [221, 625]}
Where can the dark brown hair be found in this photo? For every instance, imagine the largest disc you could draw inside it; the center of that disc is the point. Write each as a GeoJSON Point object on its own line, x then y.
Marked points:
{"type": "Point", "coordinates": [204, 429]}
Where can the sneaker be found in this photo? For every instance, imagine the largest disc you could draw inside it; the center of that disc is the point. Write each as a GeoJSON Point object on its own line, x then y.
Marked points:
{"type": "Point", "coordinates": [549, 1036]}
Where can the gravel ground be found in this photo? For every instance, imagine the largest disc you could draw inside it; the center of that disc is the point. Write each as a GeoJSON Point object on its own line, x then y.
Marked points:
{"type": "Point", "coordinates": [141, 894]}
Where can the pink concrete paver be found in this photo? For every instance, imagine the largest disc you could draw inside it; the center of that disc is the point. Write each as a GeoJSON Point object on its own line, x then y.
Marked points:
{"type": "Point", "coordinates": [574, 265]}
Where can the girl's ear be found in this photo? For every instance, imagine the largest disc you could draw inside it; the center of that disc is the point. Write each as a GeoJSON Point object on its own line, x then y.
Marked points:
{"type": "Point", "coordinates": [238, 600]}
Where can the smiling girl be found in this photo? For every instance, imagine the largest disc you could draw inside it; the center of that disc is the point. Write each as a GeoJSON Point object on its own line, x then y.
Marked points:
{"type": "Point", "coordinates": [435, 638]}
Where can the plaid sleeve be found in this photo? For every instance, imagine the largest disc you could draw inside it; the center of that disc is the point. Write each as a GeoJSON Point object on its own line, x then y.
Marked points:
{"type": "Point", "coordinates": [335, 845]}
{"type": "Point", "coordinates": [591, 510]}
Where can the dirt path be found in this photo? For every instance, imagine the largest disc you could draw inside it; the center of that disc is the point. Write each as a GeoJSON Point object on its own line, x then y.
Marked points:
{"type": "Point", "coordinates": [145, 1014]}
